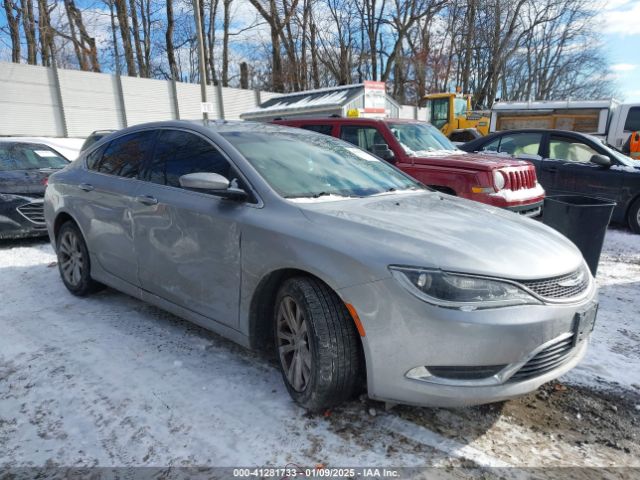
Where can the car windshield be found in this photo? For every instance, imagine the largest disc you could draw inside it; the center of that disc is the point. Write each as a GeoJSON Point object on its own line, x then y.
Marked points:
{"type": "Point", "coordinates": [309, 165]}
{"type": "Point", "coordinates": [421, 139]}
{"type": "Point", "coordinates": [29, 156]}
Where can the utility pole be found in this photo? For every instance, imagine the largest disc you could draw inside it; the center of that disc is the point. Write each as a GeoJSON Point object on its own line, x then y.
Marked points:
{"type": "Point", "coordinates": [201, 64]}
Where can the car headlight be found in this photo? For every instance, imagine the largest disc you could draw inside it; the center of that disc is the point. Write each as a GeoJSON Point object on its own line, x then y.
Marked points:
{"type": "Point", "coordinates": [498, 179]}
{"type": "Point", "coordinates": [455, 290]}
{"type": "Point", "coordinates": [7, 197]}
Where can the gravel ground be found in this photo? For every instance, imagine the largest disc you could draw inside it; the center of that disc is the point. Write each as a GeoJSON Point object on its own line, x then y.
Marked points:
{"type": "Point", "coordinates": [111, 381]}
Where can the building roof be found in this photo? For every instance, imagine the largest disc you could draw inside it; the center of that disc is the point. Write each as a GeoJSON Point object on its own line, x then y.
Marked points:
{"type": "Point", "coordinates": [310, 99]}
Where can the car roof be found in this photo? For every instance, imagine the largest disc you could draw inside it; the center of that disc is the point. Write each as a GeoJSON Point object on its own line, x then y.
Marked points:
{"type": "Point", "coordinates": [538, 130]}
{"type": "Point", "coordinates": [347, 120]}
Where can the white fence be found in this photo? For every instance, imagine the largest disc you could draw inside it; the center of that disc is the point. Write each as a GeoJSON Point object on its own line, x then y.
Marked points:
{"type": "Point", "coordinates": [41, 101]}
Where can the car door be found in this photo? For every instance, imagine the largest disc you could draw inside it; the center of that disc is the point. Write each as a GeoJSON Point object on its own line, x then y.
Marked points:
{"type": "Point", "coordinates": [188, 242]}
{"type": "Point", "coordinates": [569, 162]}
{"type": "Point", "coordinates": [106, 201]}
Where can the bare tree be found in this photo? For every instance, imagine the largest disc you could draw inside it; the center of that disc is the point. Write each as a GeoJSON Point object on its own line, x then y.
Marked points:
{"type": "Point", "coordinates": [13, 13]}
{"type": "Point", "coordinates": [123, 22]}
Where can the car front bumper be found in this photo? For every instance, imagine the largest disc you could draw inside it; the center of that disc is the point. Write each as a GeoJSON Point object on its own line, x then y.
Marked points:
{"type": "Point", "coordinates": [404, 335]}
{"type": "Point", "coordinates": [21, 216]}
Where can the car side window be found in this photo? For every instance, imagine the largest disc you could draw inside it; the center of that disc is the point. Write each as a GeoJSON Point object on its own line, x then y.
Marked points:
{"type": "Point", "coordinates": [492, 146]}
{"type": "Point", "coordinates": [125, 156]}
{"type": "Point", "coordinates": [520, 143]}
{"type": "Point", "coordinates": [632, 123]}
{"type": "Point", "coordinates": [570, 149]}
{"type": "Point", "coordinates": [178, 153]}
{"type": "Point", "coordinates": [324, 129]}
{"type": "Point", "coordinates": [364, 137]}
{"type": "Point", "coordinates": [94, 157]}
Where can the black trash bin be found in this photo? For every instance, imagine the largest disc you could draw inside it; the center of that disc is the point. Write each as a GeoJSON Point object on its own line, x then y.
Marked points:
{"type": "Point", "coordinates": [583, 220]}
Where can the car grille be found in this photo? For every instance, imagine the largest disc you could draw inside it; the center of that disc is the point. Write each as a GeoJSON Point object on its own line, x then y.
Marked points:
{"type": "Point", "coordinates": [545, 360]}
{"type": "Point", "coordinates": [34, 212]}
{"type": "Point", "coordinates": [563, 287]}
{"type": "Point", "coordinates": [519, 178]}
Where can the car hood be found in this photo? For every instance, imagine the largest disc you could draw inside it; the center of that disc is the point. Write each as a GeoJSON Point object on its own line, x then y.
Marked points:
{"type": "Point", "coordinates": [25, 182]}
{"type": "Point", "coordinates": [440, 231]}
{"type": "Point", "coordinates": [472, 161]}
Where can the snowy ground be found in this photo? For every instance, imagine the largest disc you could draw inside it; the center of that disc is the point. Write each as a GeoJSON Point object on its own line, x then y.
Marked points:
{"type": "Point", "coordinates": [111, 381]}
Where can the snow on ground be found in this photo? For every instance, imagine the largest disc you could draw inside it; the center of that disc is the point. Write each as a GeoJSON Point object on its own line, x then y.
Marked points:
{"type": "Point", "coordinates": [111, 381]}
{"type": "Point", "coordinates": [614, 353]}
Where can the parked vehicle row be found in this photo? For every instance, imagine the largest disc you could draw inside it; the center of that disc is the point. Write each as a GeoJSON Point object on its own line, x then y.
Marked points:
{"type": "Point", "coordinates": [424, 153]}
{"type": "Point", "coordinates": [573, 163]}
{"type": "Point", "coordinates": [350, 270]}
{"type": "Point", "coordinates": [24, 169]}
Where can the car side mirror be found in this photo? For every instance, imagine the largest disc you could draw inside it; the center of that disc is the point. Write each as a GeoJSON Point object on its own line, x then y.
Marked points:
{"type": "Point", "coordinates": [213, 183]}
{"type": "Point", "coordinates": [601, 160]}
{"type": "Point", "coordinates": [383, 151]}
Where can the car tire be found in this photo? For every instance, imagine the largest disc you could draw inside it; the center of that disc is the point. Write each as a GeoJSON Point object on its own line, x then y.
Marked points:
{"type": "Point", "coordinates": [317, 344]}
{"type": "Point", "coordinates": [73, 261]}
{"type": "Point", "coordinates": [633, 217]}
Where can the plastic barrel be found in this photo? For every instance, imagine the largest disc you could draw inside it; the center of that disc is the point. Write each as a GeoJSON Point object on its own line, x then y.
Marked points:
{"type": "Point", "coordinates": [583, 220]}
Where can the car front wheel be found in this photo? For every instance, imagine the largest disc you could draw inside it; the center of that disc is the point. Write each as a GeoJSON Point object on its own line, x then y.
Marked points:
{"type": "Point", "coordinates": [317, 344]}
{"type": "Point", "coordinates": [634, 216]}
{"type": "Point", "coordinates": [73, 261]}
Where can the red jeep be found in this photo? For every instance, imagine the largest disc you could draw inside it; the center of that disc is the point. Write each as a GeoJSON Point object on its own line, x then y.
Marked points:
{"type": "Point", "coordinates": [420, 150]}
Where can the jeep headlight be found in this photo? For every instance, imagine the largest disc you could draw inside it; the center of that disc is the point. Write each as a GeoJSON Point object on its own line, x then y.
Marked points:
{"type": "Point", "coordinates": [498, 180]}
{"type": "Point", "coordinates": [457, 290]}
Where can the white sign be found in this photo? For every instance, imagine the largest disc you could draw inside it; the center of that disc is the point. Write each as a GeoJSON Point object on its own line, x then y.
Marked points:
{"type": "Point", "coordinates": [207, 107]}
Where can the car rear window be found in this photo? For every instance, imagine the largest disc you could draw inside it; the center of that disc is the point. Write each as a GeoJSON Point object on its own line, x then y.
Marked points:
{"type": "Point", "coordinates": [29, 156]}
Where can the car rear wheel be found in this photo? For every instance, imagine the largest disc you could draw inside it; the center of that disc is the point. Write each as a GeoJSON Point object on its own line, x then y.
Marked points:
{"type": "Point", "coordinates": [634, 216]}
{"type": "Point", "coordinates": [317, 344]}
{"type": "Point", "coordinates": [73, 261]}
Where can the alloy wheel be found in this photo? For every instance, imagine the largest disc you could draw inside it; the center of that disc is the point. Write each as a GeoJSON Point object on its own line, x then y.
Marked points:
{"type": "Point", "coordinates": [71, 258]}
{"type": "Point", "coordinates": [293, 344]}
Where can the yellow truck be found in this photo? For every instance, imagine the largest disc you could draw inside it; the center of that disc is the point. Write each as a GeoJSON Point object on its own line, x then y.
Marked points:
{"type": "Point", "coordinates": [452, 114]}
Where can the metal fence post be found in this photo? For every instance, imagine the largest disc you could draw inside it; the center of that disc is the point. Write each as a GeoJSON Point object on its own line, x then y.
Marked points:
{"type": "Point", "coordinates": [120, 100]}
{"type": "Point", "coordinates": [58, 90]}
{"type": "Point", "coordinates": [415, 112]}
{"type": "Point", "coordinates": [257, 95]}
{"type": "Point", "coordinates": [220, 101]}
{"type": "Point", "coordinates": [174, 99]}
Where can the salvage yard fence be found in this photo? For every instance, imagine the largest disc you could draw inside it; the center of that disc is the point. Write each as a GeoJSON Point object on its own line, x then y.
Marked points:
{"type": "Point", "coordinates": [54, 102]}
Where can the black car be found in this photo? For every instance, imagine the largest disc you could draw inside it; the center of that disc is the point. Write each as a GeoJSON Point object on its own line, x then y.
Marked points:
{"type": "Point", "coordinates": [24, 170]}
{"type": "Point", "coordinates": [572, 162]}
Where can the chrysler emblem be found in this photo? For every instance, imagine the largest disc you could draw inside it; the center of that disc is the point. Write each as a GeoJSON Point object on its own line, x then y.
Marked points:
{"type": "Point", "coordinates": [572, 281]}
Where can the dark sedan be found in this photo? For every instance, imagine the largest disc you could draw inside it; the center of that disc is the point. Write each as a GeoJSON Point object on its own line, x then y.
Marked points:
{"type": "Point", "coordinates": [572, 162]}
{"type": "Point", "coordinates": [24, 169]}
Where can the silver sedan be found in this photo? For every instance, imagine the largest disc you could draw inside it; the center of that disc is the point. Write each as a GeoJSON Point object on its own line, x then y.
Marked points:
{"type": "Point", "coordinates": [355, 274]}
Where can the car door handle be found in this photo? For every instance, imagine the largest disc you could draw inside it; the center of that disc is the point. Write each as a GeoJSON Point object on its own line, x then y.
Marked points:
{"type": "Point", "coordinates": [87, 187]}
{"type": "Point", "coordinates": [550, 169]}
{"type": "Point", "coordinates": [147, 199]}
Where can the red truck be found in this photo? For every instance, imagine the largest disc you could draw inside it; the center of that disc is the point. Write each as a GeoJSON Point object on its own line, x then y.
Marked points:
{"type": "Point", "coordinates": [420, 150]}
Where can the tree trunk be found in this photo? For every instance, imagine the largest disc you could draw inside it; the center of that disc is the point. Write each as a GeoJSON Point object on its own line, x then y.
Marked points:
{"type": "Point", "coordinates": [13, 20]}
{"type": "Point", "coordinates": [29, 27]}
{"type": "Point", "coordinates": [171, 56]}
{"type": "Point", "coordinates": [123, 21]}
{"type": "Point", "coordinates": [244, 75]}
{"type": "Point", "coordinates": [135, 30]}
{"type": "Point", "coordinates": [315, 69]}
{"type": "Point", "coordinates": [225, 43]}
{"type": "Point", "coordinates": [45, 32]}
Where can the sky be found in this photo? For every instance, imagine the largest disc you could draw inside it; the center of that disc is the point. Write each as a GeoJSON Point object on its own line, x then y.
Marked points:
{"type": "Point", "coordinates": [621, 37]}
